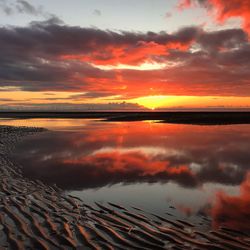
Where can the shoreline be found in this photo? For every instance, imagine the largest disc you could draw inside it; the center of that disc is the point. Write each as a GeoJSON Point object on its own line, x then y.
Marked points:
{"type": "Point", "coordinates": [38, 216]}
{"type": "Point", "coordinates": [185, 117]}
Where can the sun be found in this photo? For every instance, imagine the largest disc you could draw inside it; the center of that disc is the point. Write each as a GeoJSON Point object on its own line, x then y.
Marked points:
{"type": "Point", "coordinates": [151, 102]}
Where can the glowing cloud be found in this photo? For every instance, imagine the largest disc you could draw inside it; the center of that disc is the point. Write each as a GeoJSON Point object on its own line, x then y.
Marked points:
{"type": "Point", "coordinates": [223, 9]}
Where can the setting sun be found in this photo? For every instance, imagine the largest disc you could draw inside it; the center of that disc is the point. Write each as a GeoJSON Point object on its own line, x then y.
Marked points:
{"type": "Point", "coordinates": [152, 102]}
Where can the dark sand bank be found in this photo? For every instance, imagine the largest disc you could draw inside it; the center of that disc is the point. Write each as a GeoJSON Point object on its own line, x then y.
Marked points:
{"type": "Point", "coordinates": [206, 118]}
{"type": "Point", "coordinates": [37, 216]}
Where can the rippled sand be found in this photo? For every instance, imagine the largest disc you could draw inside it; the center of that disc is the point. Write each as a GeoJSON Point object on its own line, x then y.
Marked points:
{"type": "Point", "coordinates": [36, 216]}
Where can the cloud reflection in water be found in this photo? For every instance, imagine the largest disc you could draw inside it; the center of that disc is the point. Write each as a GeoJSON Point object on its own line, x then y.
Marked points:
{"type": "Point", "coordinates": [106, 154]}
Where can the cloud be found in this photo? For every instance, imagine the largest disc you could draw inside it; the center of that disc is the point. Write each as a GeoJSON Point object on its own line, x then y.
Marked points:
{"type": "Point", "coordinates": [6, 99]}
{"type": "Point", "coordinates": [50, 56]}
{"type": "Point", "coordinates": [5, 8]}
{"type": "Point", "coordinates": [224, 9]}
{"type": "Point", "coordinates": [168, 15]}
{"type": "Point", "coordinates": [67, 106]}
{"type": "Point", "coordinates": [47, 56]}
{"type": "Point", "coordinates": [97, 12]}
{"type": "Point", "coordinates": [24, 7]}
{"type": "Point", "coordinates": [52, 20]}
{"type": "Point", "coordinates": [52, 40]}
{"type": "Point", "coordinates": [217, 41]}
{"type": "Point", "coordinates": [93, 94]}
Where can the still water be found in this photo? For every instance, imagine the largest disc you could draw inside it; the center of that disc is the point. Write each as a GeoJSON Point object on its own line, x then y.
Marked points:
{"type": "Point", "coordinates": [197, 173]}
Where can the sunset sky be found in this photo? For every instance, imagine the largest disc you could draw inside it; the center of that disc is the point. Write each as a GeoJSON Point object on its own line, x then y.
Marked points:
{"type": "Point", "coordinates": [124, 54]}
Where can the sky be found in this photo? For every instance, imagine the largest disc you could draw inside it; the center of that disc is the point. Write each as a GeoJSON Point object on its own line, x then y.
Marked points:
{"type": "Point", "coordinates": [124, 54]}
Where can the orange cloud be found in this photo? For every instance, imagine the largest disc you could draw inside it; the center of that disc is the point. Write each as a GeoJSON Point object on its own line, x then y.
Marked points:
{"type": "Point", "coordinates": [233, 8]}
{"type": "Point", "coordinates": [223, 9]}
{"type": "Point", "coordinates": [129, 55]}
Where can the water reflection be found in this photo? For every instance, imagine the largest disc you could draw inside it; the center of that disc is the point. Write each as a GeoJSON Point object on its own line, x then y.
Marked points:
{"type": "Point", "coordinates": [233, 211]}
{"type": "Point", "coordinates": [139, 152]}
{"type": "Point", "coordinates": [194, 158]}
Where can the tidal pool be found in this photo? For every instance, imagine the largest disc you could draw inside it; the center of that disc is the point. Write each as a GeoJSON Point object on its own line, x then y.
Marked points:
{"type": "Point", "coordinates": [196, 173]}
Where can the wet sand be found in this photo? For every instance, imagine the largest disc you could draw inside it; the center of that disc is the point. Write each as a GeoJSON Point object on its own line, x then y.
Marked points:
{"type": "Point", "coordinates": [37, 216]}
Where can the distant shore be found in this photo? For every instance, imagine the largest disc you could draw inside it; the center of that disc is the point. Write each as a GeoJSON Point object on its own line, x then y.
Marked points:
{"type": "Point", "coordinates": [37, 216]}
{"type": "Point", "coordinates": [198, 117]}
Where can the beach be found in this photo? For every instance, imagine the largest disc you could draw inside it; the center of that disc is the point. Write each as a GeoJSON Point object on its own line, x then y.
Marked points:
{"type": "Point", "coordinates": [34, 215]}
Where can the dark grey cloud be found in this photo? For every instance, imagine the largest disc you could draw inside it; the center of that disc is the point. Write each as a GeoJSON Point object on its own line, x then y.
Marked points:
{"type": "Point", "coordinates": [224, 39]}
{"type": "Point", "coordinates": [93, 94]}
{"type": "Point", "coordinates": [52, 20]}
{"type": "Point", "coordinates": [50, 39]}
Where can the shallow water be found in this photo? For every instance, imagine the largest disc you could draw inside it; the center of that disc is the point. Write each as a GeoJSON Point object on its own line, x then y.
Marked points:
{"type": "Point", "coordinates": [196, 173]}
